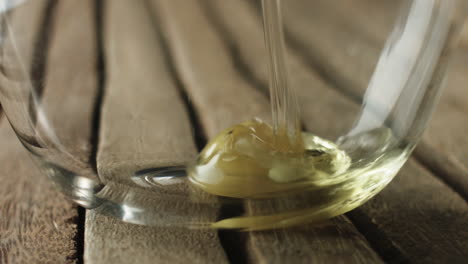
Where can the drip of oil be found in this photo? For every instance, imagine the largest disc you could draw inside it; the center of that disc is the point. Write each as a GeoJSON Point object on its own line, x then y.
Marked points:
{"type": "Point", "coordinates": [301, 177]}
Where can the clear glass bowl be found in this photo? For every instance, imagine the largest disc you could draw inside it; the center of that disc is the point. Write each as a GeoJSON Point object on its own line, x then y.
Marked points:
{"type": "Point", "coordinates": [114, 99]}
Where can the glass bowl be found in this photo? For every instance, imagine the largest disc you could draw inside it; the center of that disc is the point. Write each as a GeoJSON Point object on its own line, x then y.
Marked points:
{"type": "Point", "coordinates": [114, 99]}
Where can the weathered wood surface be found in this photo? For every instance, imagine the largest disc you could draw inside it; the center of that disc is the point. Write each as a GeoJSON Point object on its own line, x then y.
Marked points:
{"type": "Point", "coordinates": [216, 50]}
{"type": "Point", "coordinates": [431, 215]}
{"type": "Point", "coordinates": [22, 29]}
{"type": "Point", "coordinates": [71, 77]}
{"type": "Point", "coordinates": [67, 100]}
{"type": "Point", "coordinates": [314, 94]}
{"type": "Point", "coordinates": [220, 93]}
{"type": "Point", "coordinates": [194, 40]}
{"type": "Point", "coordinates": [422, 216]}
{"type": "Point", "coordinates": [444, 145]}
{"type": "Point", "coordinates": [142, 109]}
{"type": "Point", "coordinates": [37, 224]}
{"type": "Point", "coordinates": [464, 38]}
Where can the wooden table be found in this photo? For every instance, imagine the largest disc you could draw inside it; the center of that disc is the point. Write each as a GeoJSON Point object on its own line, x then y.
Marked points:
{"type": "Point", "coordinates": [212, 51]}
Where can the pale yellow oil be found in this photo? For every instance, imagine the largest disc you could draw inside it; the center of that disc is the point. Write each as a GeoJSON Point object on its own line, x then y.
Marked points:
{"type": "Point", "coordinates": [249, 161]}
{"type": "Point", "coordinates": [287, 177]}
{"type": "Point", "coordinates": [297, 185]}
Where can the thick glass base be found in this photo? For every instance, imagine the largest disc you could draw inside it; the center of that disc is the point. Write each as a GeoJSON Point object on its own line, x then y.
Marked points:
{"type": "Point", "coordinates": [166, 197]}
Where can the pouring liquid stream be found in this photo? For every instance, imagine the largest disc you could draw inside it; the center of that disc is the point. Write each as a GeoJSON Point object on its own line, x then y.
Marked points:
{"type": "Point", "coordinates": [307, 179]}
{"type": "Point", "coordinates": [284, 107]}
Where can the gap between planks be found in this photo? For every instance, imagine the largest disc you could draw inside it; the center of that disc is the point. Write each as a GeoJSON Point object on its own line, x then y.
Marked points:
{"type": "Point", "coordinates": [69, 89]}
{"type": "Point", "coordinates": [250, 53]}
{"type": "Point", "coordinates": [38, 229]}
{"type": "Point", "coordinates": [130, 37]}
{"type": "Point", "coordinates": [442, 203]}
{"type": "Point", "coordinates": [443, 152]}
{"type": "Point", "coordinates": [194, 47]}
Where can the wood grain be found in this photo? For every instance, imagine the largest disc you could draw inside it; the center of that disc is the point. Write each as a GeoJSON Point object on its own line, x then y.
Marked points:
{"type": "Point", "coordinates": [464, 38]}
{"type": "Point", "coordinates": [37, 224]}
{"type": "Point", "coordinates": [314, 93]}
{"type": "Point", "coordinates": [412, 175]}
{"type": "Point", "coordinates": [443, 147]}
{"type": "Point", "coordinates": [423, 220]}
{"type": "Point", "coordinates": [221, 96]}
{"type": "Point", "coordinates": [421, 216]}
{"type": "Point", "coordinates": [23, 29]}
{"type": "Point", "coordinates": [67, 103]}
{"type": "Point", "coordinates": [142, 107]}
{"type": "Point", "coordinates": [111, 241]}
{"type": "Point", "coordinates": [71, 79]}
{"type": "Point", "coordinates": [427, 213]}
{"type": "Point", "coordinates": [330, 45]}
{"type": "Point", "coordinates": [144, 125]}
{"type": "Point", "coordinates": [195, 41]}
{"type": "Point", "coordinates": [293, 245]}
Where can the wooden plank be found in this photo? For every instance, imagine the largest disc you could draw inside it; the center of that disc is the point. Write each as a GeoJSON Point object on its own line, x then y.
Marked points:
{"type": "Point", "coordinates": [195, 42]}
{"type": "Point", "coordinates": [444, 145]}
{"type": "Point", "coordinates": [37, 224]}
{"type": "Point", "coordinates": [221, 96]}
{"type": "Point", "coordinates": [23, 31]}
{"type": "Point", "coordinates": [71, 81]}
{"type": "Point", "coordinates": [108, 240]}
{"type": "Point", "coordinates": [401, 231]}
{"type": "Point", "coordinates": [416, 176]}
{"type": "Point", "coordinates": [444, 152]}
{"type": "Point", "coordinates": [144, 125]}
{"type": "Point", "coordinates": [327, 104]}
{"type": "Point", "coordinates": [464, 38]}
{"type": "Point", "coordinates": [462, 10]}
{"type": "Point", "coordinates": [421, 216]}
{"type": "Point", "coordinates": [445, 164]}
{"type": "Point", "coordinates": [68, 98]}
{"type": "Point", "coordinates": [382, 13]}
{"type": "Point", "coordinates": [56, 123]}
{"type": "Point", "coordinates": [330, 44]}
{"type": "Point", "coordinates": [270, 246]}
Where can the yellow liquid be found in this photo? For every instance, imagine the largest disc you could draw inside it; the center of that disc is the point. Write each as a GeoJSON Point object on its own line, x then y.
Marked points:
{"type": "Point", "coordinates": [304, 183]}
{"type": "Point", "coordinates": [249, 161]}
{"type": "Point", "coordinates": [284, 176]}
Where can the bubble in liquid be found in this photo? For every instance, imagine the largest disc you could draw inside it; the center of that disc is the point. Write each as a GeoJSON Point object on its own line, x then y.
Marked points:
{"type": "Point", "coordinates": [249, 161]}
